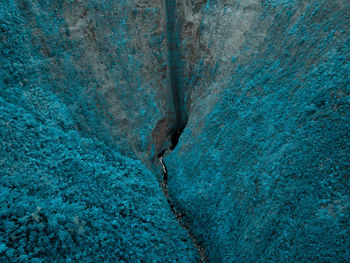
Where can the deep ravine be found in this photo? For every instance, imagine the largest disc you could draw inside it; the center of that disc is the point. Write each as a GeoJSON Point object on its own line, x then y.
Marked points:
{"type": "Point", "coordinates": [181, 117]}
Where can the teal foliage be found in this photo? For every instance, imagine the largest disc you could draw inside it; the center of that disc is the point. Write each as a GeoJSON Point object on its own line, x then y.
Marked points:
{"type": "Point", "coordinates": [66, 196]}
{"type": "Point", "coordinates": [69, 198]}
{"type": "Point", "coordinates": [267, 178]}
{"type": "Point", "coordinates": [102, 49]}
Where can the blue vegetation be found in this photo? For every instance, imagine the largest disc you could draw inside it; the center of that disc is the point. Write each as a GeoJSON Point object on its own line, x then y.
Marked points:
{"type": "Point", "coordinates": [99, 58]}
{"type": "Point", "coordinates": [66, 197]}
{"type": "Point", "coordinates": [267, 177]}
{"type": "Point", "coordinates": [266, 180]}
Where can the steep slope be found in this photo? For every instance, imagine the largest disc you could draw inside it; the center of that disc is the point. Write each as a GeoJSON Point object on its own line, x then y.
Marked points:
{"type": "Point", "coordinates": [107, 60]}
{"type": "Point", "coordinates": [261, 171]}
{"type": "Point", "coordinates": [66, 194]}
{"type": "Point", "coordinates": [69, 198]}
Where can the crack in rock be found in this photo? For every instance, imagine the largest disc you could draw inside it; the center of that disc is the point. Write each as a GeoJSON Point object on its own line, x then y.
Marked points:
{"type": "Point", "coordinates": [178, 215]}
{"type": "Point", "coordinates": [178, 125]}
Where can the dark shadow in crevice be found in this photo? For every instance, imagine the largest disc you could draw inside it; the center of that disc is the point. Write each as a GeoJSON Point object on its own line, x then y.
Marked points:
{"type": "Point", "coordinates": [161, 154]}
{"type": "Point", "coordinates": [175, 137]}
{"type": "Point", "coordinates": [181, 114]}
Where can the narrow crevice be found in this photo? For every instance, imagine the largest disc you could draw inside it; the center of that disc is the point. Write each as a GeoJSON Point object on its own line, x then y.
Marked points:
{"type": "Point", "coordinates": [175, 138]}
{"type": "Point", "coordinates": [181, 114]}
{"type": "Point", "coordinates": [178, 215]}
{"type": "Point", "coordinates": [171, 41]}
{"type": "Point", "coordinates": [173, 60]}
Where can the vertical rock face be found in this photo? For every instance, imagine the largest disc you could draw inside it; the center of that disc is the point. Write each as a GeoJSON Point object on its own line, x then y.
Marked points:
{"type": "Point", "coordinates": [108, 61]}
{"type": "Point", "coordinates": [261, 169]}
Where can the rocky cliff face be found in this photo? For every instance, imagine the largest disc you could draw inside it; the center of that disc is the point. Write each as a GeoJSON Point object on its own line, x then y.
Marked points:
{"type": "Point", "coordinates": [258, 91]}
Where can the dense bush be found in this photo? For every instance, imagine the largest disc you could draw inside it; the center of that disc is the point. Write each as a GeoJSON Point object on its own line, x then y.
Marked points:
{"type": "Point", "coordinates": [262, 169]}
{"type": "Point", "coordinates": [64, 197]}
